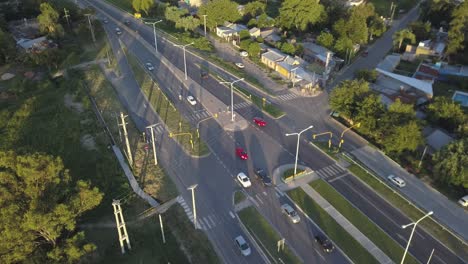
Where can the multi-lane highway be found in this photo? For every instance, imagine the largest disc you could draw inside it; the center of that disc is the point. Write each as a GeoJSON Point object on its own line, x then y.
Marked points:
{"type": "Point", "coordinates": [267, 148]}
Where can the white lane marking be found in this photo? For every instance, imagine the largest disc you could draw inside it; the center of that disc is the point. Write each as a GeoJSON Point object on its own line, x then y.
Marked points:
{"type": "Point", "coordinates": [277, 195]}
{"type": "Point", "coordinates": [212, 221]}
{"type": "Point", "coordinates": [206, 222]}
{"type": "Point", "coordinates": [265, 193]}
{"type": "Point", "coordinates": [258, 198]}
{"type": "Point", "coordinates": [435, 256]}
{"type": "Point", "coordinates": [200, 224]}
{"type": "Point", "coordinates": [232, 214]}
{"type": "Point", "coordinates": [253, 201]}
{"type": "Point", "coordinates": [337, 178]}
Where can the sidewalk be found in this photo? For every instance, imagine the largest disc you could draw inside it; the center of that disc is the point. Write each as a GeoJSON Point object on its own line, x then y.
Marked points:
{"type": "Point", "coordinates": [339, 218]}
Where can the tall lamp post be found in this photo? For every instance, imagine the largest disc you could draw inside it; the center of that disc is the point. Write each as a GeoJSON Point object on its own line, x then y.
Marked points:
{"type": "Point", "coordinates": [154, 33]}
{"type": "Point", "coordinates": [192, 187]}
{"type": "Point", "coordinates": [185, 61]}
{"type": "Point", "coordinates": [412, 233]}
{"type": "Point", "coordinates": [232, 95]}
{"type": "Point", "coordinates": [297, 147]}
{"type": "Point", "coordinates": [294, 78]}
{"type": "Point", "coordinates": [153, 142]}
{"type": "Point", "coordinates": [204, 20]}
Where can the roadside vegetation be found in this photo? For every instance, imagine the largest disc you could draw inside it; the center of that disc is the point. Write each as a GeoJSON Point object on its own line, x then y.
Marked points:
{"type": "Point", "coordinates": [266, 236]}
{"type": "Point", "coordinates": [355, 251]}
{"type": "Point", "coordinates": [167, 111]}
{"type": "Point", "coordinates": [381, 239]}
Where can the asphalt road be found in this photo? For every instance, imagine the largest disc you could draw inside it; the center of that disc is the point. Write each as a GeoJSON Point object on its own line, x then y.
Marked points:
{"type": "Point", "coordinates": [308, 155]}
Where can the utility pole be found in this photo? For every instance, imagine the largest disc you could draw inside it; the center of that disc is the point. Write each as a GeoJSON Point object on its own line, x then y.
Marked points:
{"type": "Point", "coordinates": [127, 143]}
{"type": "Point", "coordinates": [297, 146]}
{"type": "Point", "coordinates": [422, 157]}
{"type": "Point", "coordinates": [393, 12]}
{"type": "Point", "coordinates": [185, 61]}
{"type": "Point", "coordinates": [192, 187]}
{"type": "Point", "coordinates": [66, 16]}
{"type": "Point", "coordinates": [91, 27]}
{"type": "Point", "coordinates": [204, 20]}
{"type": "Point", "coordinates": [294, 78]}
{"type": "Point", "coordinates": [153, 142]}
{"type": "Point", "coordinates": [232, 95]}
{"type": "Point", "coordinates": [162, 229]}
{"type": "Point", "coordinates": [154, 33]}
{"type": "Point", "coordinates": [122, 230]}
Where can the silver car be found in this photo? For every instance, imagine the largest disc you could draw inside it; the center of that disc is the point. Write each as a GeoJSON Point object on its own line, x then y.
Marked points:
{"type": "Point", "coordinates": [397, 181]}
{"type": "Point", "coordinates": [242, 245]}
{"type": "Point", "coordinates": [291, 213]}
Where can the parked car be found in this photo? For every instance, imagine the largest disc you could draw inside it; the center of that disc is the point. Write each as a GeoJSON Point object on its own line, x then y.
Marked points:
{"type": "Point", "coordinates": [191, 100]}
{"type": "Point", "coordinates": [105, 21]}
{"type": "Point", "coordinates": [326, 244]}
{"type": "Point", "coordinates": [397, 181]}
{"type": "Point", "coordinates": [291, 213]}
{"type": "Point", "coordinates": [365, 53]}
{"type": "Point", "coordinates": [127, 22]}
{"type": "Point", "coordinates": [240, 65]}
{"type": "Point", "coordinates": [244, 54]}
{"type": "Point", "coordinates": [263, 176]}
{"type": "Point", "coordinates": [244, 180]}
{"type": "Point", "coordinates": [260, 122]}
{"type": "Point", "coordinates": [242, 245]}
{"type": "Point", "coordinates": [118, 31]}
{"type": "Point", "coordinates": [240, 152]}
{"type": "Point", "coordinates": [463, 201]}
{"type": "Point", "coordinates": [149, 66]}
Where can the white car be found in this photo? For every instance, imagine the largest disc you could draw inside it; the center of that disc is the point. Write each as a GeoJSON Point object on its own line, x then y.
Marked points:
{"type": "Point", "coordinates": [118, 31]}
{"type": "Point", "coordinates": [463, 201]}
{"type": "Point", "coordinates": [244, 54]}
{"type": "Point", "coordinates": [191, 100]}
{"type": "Point", "coordinates": [242, 245]}
{"type": "Point", "coordinates": [149, 66]}
{"type": "Point", "coordinates": [240, 65]}
{"type": "Point", "coordinates": [397, 181]}
{"type": "Point", "coordinates": [291, 213]}
{"type": "Point", "coordinates": [244, 180]}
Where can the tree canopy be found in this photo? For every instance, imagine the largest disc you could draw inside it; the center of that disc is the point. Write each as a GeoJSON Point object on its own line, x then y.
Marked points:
{"type": "Point", "coordinates": [447, 113]}
{"type": "Point", "coordinates": [48, 21]}
{"type": "Point", "coordinates": [325, 39]}
{"type": "Point", "coordinates": [299, 14]}
{"type": "Point", "coordinates": [40, 205]}
{"type": "Point", "coordinates": [181, 19]}
{"type": "Point", "coordinates": [219, 11]}
{"type": "Point", "coordinates": [458, 26]}
{"type": "Point", "coordinates": [345, 98]}
{"type": "Point", "coordinates": [451, 163]}
{"type": "Point", "coordinates": [142, 5]}
{"type": "Point", "coordinates": [7, 47]}
{"type": "Point", "coordinates": [401, 35]}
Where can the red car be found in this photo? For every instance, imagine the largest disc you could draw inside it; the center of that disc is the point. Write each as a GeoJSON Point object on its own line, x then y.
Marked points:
{"type": "Point", "coordinates": [260, 122]}
{"type": "Point", "coordinates": [241, 154]}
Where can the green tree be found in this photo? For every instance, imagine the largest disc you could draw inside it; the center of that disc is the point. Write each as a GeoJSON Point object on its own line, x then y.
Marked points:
{"type": "Point", "coordinates": [254, 49]}
{"type": "Point", "coordinates": [343, 44]}
{"type": "Point", "coordinates": [142, 5]}
{"type": "Point", "coordinates": [368, 75]}
{"type": "Point", "coordinates": [376, 26]}
{"type": "Point", "coordinates": [288, 48]}
{"type": "Point", "coordinates": [451, 163]}
{"type": "Point", "coordinates": [401, 35]}
{"type": "Point", "coordinates": [245, 44]}
{"type": "Point", "coordinates": [447, 113]}
{"type": "Point", "coordinates": [254, 8]}
{"type": "Point", "coordinates": [244, 34]}
{"type": "Point", "coordinates": [181, 19]}
{"type": "Point", "coordinates": [346, 97]}
{"type": "Point", "coordinates": [325, 39]}
{"type": "Point", "coordinates": [403, 137]}
{"type": "Point", "coordinates": [219, 11]}
{"type": "Point", "coordinates": [48, 21]}
{"type": "Point", "coordinates": [458, 26]}
{"type": "Point", "coordinates": [421, 30]}
{"type": "Point", "coordinates": [40, 205]}
{"type": "Point", "coordinates": [437, 12]}
{"type": "Point", "coordinates": [264, 21]}
{"type": "Point", "coordinates": [370, 110]}
{"type": "Point", "coordinates": [7, 47]}
{"type": "Point", "coordinates": [299, 14]}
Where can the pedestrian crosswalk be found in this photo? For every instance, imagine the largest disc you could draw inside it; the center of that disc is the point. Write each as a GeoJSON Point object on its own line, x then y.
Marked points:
{"type": "Point", "coordinates": [198, 115]}
{"type": "Point", "coordinates": [158, 129]}
{"type": "Point", "coordinates": [331, 173]}
{"type": "Point", "coordinates": [241, 105]}
{"type": "Point", "coordinates": [207, 222]}
{"type": "Point", "coordinates": [287, 96]}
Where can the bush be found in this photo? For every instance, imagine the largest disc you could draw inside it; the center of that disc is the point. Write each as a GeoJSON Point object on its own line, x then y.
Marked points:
{"type": "Point", "coordinates": [367, 75]}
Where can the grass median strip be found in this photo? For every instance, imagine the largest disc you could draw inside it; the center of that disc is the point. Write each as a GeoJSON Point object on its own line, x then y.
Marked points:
{"type": "Point", "coordinates": [434, 228]}
{"type": "Point", "coordinates": [266, 236]}
{"type": "Point", "coordinates": [355, 251]}
{"type": "Point", "coordinates": [166, 110]}
{"type": "Point", "coordinates": [361, 222]}
{"type": "Point", "coordinates": [262, 103]}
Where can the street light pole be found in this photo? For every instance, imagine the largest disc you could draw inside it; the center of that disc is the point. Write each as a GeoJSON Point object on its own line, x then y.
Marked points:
{"type": "Point", "coordinates": [192, 187]}
{"type": "Point", "coordinates": [232, 95]}
{"type": "Point", "coordinates": [297, 147]}
{"type": "Point", "coordinates": [294, 78]}
{"type": "Point", "coordinates": [204, 20]}
{"type": "Point", "coordinates": [154, 33]}
{"type": "Point", "coordinates": [412, 233]}
{"type": "Point", "coordinates": [185, 61]}
{"type": "Point", "coordinates": [154, 144]}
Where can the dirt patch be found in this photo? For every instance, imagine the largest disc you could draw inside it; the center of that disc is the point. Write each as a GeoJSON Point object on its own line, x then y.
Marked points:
{"type": "Point", "coordinates": [68, 100]}
{"type": "Point", "coordinates": [7, 96]}
{"type": "Point", "coordinates": [88, 142]}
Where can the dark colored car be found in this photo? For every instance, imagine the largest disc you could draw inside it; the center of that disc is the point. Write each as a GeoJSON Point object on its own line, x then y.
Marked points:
{"type": "Point", "coordinates": [263, 176]}
{"type": "Point", "coordinates": [127, 22]}
{"type": "Point", "coordinates": [204, 74]}
{"type": "Point", "coordinates": [326, 244]}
